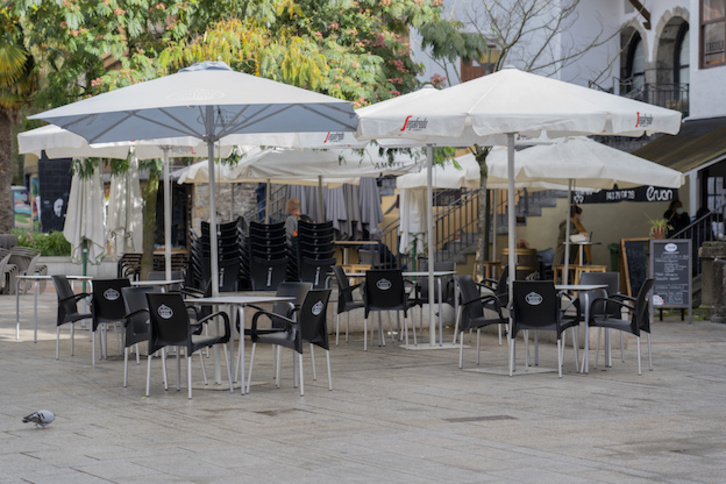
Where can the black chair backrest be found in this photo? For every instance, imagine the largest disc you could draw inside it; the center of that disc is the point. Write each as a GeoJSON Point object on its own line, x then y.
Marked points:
{"type": "Point", "coordinates": [446, 282]}
{"type": "Point", "coordinates": [298, 290]}
{"type": "Point", "coordinates": [641, 316]}
{"type": "Point", "coordinates": [107, 302]}
{"type": "Point", "coordinates": [535, 305]}
{"type": "Point", "coordinates": [67, 306]}
{"type": "Point", "coordinates": [612, 280]}
{"type": "Point", "coordinates": [137, 311]}
{"type": "Point", "coordinates": [312, 317]}
{"type": "Point", "coordinates": [315, 270]}
{"type": "Point", "coordinates": [469, 292]}
{"type": "Point", "coordinates": [169, 320]}
{"type": "Point", "coordinates": [267, 274]}
{"type": "Point", "coordinates": [384, 290]}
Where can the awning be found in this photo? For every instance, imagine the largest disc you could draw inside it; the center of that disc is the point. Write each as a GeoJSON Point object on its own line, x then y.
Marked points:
{"type": "Point", "coordinates": [698, 142]}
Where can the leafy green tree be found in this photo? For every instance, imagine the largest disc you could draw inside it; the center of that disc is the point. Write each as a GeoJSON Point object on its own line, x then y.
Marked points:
{"type": "Point", "coordinates": [17, 84]}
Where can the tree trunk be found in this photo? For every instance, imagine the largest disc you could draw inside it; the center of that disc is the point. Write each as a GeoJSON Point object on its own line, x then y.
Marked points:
{"type": "Point", "coordinates": [150, 193]}
{"type": "Point", "coordinates": [482, 240]}
{"type": "Point", "coordinates": [6, 173]}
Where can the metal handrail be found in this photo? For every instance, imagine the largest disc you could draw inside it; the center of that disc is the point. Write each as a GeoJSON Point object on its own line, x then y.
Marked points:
{"type": "Point", "coordinates": [700, 231]}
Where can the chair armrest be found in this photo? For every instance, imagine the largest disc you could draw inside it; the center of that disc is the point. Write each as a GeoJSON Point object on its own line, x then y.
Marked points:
{"type": "Point", "coordinates": [605, 302]}
{"type": "Point", "coordinates": [134, 313]}
{"type": "Point", "coordinates": [261, 312]}
{"type": "Point", "coordinates": [75, 297]}
{"type": "Point", "coordinates": [483, 300]}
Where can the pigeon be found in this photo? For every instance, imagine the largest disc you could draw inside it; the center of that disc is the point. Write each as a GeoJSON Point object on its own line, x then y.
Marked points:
{"type": "Point", "coordinates": [41, 418]}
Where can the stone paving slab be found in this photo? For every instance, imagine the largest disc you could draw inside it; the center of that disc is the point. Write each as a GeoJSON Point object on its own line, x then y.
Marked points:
{"type": "Point", "coordinates": [393, 415]}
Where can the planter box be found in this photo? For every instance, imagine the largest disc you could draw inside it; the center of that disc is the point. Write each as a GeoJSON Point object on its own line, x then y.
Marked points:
{"type": "Point", "coordinates": [64, 265]}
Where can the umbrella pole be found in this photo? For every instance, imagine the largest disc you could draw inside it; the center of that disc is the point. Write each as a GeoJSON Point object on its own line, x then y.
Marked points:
{"type": "Point", "coordinates": [495, 210]}
{"type": "Point", "coordinates": [321, 204]}
{"type": "Point", "coordinates": [430, 236]}
{"type": "Point", "coordinates": [213, 249]}
{"type": "Point", "coordinates": [511, 225]}
{"type": "Point", "coordinates": [267, 202]}
{"type": "Point", "coordinates": [167, 215]}
{"type": "Point", "coordinates": [213, 257]}
{"type": "Point", "coordinates": [566, 276]}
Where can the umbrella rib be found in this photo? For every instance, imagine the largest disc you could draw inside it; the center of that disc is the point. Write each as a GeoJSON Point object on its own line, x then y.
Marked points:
{"type": "Point", "coordinates": [189, 130]}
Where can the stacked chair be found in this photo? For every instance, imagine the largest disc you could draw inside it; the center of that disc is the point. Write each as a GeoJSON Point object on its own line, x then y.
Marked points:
{"type": "Point", "coordinates": [229, 253]}
{"type": "Point", "coordinates": [315, 252]}
{"type": "Point", "coordinates": [266, 256]}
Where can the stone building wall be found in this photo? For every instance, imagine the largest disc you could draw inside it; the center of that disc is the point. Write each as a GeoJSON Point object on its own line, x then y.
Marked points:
{"type": "Point", "coordinates": [232, 200]}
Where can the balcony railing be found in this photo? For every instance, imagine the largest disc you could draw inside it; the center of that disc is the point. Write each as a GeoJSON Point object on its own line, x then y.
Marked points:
{"type": "Point", "coordinates": [671, 96]}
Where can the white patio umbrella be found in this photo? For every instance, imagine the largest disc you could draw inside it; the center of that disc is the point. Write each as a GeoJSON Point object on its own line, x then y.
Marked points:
{"type": "Point", "coordinates": [85, 219]}
{"type": "Point", "coordinates": [207, 101]}
{"type": "Point", "coordinates": [507, 103]}
{"type": "Point", "coordinates": [579, 161]}
{"type": "Point", "coordinates": [125, 210]}
{"type": "Point", "coordinates": [124, 219]}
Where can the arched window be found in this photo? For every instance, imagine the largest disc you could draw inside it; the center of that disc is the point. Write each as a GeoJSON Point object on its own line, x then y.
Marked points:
{"type": "Point", "coordinates": [635, 70]}
{"type": "Point", "coordinates": [682, 57]}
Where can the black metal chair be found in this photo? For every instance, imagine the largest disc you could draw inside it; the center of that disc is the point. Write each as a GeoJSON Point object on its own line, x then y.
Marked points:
{"type": "Point", "coordinates": [603, 316]}
{"type": "Point", "coordinates": [67, 309]}
{"type": "Point", "coordinates": [612, 281]}
{"type": "Point", "coordinates": [500, 288]}
{"type": "Point", "coordinates": [107, 308]}
{"type": "Point", "coordinates": [385, 291]}
{"type": "Point", "coordinates": [170, 326]}
{"type": "Point", "coordinates": [308, 327]}
{"type": "Point", "coordinates": [536, 306]}
{"type": "Point", "coordinates": [473, 316]}
{"type": "Point", "coordinates": [137, 322]}
{"type": "Point", "coordinates": [346, 301]}
{"type": "Point", "coordinates": [284, 309]}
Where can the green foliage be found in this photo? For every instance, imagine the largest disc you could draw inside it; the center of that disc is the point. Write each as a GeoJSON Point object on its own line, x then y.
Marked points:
{"type": "Point", "coordinates": [52, 244]}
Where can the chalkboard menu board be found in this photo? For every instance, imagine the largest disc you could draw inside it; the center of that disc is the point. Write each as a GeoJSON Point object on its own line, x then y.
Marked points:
{"type": "Point", "coordinates": [633, 264]}
{"type": "Point", "coordinates": [670, 266]}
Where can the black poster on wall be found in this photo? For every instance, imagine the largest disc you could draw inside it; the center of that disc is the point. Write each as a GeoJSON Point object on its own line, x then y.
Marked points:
{"type": "Point", "coordinates": [54, 187]}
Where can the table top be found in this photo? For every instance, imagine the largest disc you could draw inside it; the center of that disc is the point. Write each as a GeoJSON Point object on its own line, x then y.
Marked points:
{"type": "Point", "coordinates": [406, 274]}
{"type": "Point", "coordinates": [355, 242]}
{"type": "Point", "coordinates": [239, 300]}
{"type": "Point", "coordinates": [160, 282]}
{"type": "Point", "coordinates": [580, 287]}
{"type": "Point", "coordinates": [43, 277]}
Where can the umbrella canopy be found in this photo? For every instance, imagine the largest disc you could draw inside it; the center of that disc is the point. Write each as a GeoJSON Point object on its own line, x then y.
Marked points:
{"type": "Point", "coordinates": [589, 164]}
{"type": "Point", "coordinates": [199, 173]}
{"type": "Point", "coordinates": [207, 101]}
{"type": "Point", "coordinates": [504, 104]}
{"type": "Point", "coordinates": [446, 175]}
{"type": "Point", "coordinates": [85, 219]}
{"type": "Point", "coordinates": [294, 167]}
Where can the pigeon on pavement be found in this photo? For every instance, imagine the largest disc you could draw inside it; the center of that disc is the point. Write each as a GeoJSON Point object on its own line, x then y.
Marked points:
{"type": "Point", "coordinates": [41, 418]}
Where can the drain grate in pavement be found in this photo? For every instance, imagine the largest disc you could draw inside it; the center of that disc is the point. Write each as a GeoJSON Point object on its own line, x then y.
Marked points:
{"type": "Point", "coordinates": [479, 419]}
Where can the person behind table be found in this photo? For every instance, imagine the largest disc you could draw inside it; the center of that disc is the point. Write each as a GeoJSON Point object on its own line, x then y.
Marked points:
{"type": "Point", "coordinates": [677, 218]}
{"type": "Point", "coordinates": [576, 227]}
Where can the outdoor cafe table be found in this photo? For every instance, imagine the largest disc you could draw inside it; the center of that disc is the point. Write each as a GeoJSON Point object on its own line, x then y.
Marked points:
{"type": "Point", "coordinates": [438, 275]}
{"type": "Point", "coordinates": [35, 279]}
{"type": "Point", "coordinates": [585, 293]}
{"type": "Point", "coordinates": [240, 300]}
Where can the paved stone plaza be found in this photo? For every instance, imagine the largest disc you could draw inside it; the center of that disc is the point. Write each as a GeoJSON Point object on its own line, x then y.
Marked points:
{"type": "Point", "coordinates": [394, 415]}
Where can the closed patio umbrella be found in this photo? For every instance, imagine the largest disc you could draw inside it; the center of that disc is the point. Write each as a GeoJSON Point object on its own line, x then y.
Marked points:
{"type": "Point", "coordinates": [85, 222]}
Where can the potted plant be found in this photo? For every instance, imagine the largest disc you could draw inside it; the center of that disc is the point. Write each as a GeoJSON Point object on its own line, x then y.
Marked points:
{"type": "Point", "coordinates": [659, 227]}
